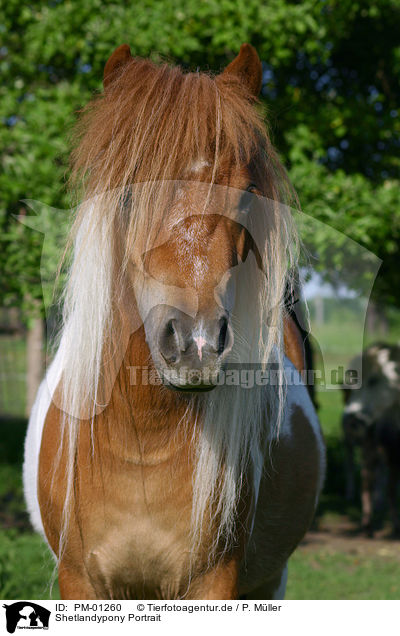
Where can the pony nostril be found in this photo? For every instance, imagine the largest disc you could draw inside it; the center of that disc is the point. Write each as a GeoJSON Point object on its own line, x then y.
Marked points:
{"type": "Point", "coordinates": [222, 335]}
{"type": "Point", "coordinates": [170, 329]}
{"type": "Point", "coordinates": [169, 342]}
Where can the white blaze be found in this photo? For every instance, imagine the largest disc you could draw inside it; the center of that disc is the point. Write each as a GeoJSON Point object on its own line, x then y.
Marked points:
{"type": "Point", "coordinates": [200, 342]}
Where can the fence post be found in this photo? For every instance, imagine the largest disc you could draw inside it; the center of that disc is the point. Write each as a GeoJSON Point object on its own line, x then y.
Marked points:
{"type": "Point", "coordinates": [35, 360]}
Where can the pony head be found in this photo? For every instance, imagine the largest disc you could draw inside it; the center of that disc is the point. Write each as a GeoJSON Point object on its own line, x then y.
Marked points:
{"type": "Point", "coordinates": [191, 156]}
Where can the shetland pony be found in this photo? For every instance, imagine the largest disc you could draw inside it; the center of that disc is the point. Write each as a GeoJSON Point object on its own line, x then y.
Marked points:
{"type": "Point", "coordinates": [371, 422]}
{"type": "Point", "coordinates": [182, 487]}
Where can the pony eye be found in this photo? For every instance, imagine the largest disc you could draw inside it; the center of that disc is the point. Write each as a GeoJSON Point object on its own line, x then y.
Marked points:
{"type": "Point", "coordinates": [246, 199]}
{"type": "Point", "coordinates": [252, 188]}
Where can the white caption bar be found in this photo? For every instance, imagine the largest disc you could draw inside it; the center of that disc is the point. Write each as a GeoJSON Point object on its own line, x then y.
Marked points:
{"type": "Point", "coordinates": [172, 617]}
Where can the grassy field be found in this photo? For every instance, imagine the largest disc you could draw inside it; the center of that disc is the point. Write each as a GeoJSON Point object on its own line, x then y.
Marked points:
{"type": "Point", "coordinates": [328, 574]}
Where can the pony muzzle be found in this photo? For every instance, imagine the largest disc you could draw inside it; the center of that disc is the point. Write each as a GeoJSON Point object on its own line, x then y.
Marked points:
{"type": "Point", "coordinates": [192, 351]}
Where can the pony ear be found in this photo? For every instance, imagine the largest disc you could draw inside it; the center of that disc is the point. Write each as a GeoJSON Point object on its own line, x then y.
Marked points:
{"type": "Point", "coordinates": [119, 58]}
{"type": "Point", "coordinates": [247, 67]}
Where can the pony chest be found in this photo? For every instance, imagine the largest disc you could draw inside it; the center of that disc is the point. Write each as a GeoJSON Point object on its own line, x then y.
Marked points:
{"type": "Point", "coordinates": [139, 533]}
{"type": "Point", "coordinates": [130, 558]}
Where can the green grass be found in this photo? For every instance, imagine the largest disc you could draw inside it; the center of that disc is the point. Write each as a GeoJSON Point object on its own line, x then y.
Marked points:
{"type": "Point", "coordinates": [330, 405]}
{"type": "Point", "coordinates": [26, 567]}
{"type": "Point", "coordinates": [327, 575]}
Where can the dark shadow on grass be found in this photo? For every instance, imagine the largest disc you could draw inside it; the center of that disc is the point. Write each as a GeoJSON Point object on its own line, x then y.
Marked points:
{"type": "Point", "coordinates": [12, 436]}
{"type": "Point", "coordinates": [13, 513]}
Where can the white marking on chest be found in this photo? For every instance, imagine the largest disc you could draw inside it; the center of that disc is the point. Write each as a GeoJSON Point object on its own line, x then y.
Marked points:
{"type": "Point", "coordinates": [34, 438]}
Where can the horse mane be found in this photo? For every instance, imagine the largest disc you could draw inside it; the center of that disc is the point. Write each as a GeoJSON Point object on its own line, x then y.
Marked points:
{"type": "Point", "coordinates": [149, 125]}
{"type": "Point", "coordinates": [153, 121]}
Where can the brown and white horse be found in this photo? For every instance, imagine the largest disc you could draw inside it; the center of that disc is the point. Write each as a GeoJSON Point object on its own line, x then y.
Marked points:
{"type": "Point", "coordinates": [182, 487]}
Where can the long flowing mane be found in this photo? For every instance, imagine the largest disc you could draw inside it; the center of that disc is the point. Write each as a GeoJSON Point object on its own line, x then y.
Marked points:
{"type": "Point", "coordinates": [151, 123]}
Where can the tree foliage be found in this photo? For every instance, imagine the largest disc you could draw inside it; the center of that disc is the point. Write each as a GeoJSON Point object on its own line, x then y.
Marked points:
{"type": "Point", "coordinates": [331, 88]}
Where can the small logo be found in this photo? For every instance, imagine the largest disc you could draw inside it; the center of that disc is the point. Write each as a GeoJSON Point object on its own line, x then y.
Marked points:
{"type": "Point", "coordinates": [26, 615]}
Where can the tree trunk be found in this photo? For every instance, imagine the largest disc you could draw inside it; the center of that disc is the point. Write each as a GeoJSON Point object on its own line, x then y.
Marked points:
{"type": "Point", "coordinates": [376, 320]}
{"type": "Point", "coordinates": [371, 318]}
{"type": "Point", "coordinates": [319, 310]}
{"type": "Point", "coordinates": [35, 361]}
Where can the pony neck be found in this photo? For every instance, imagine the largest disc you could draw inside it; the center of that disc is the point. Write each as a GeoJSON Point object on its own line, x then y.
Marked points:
{"type": "Point", "coordinates": [145, 421]}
